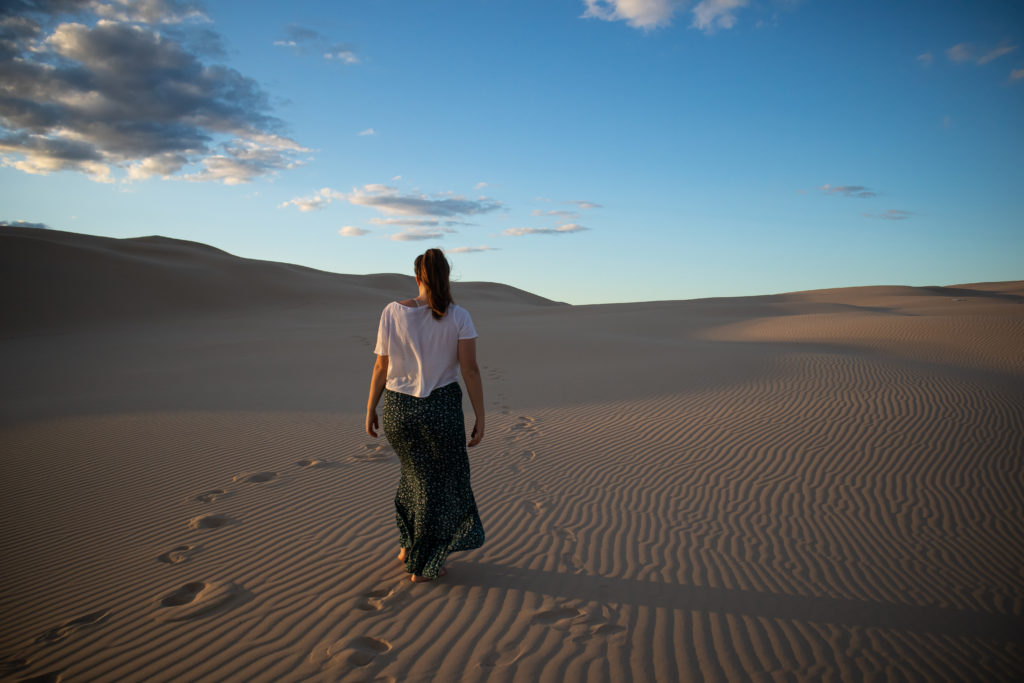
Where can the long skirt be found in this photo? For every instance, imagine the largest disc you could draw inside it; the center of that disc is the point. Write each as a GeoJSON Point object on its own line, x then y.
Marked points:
{"type": "Point", "coordinates": [434, 505]}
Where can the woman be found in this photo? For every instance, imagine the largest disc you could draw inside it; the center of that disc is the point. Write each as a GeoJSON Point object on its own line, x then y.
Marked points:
{"type": "Point", "coordinates": [422, 344]}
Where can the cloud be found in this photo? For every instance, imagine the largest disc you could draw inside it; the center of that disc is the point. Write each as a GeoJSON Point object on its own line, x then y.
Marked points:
{"type": "Point", "coordinates": [925, 59]}
{"type": "Point", "coordinates": [26, 224]}
{"type": "Point", "coordinates": [479, 186]}
{"type": "Point", "coordinates": [415, 235]}
{"type": "Point", "coordinates": [352, 231]}
{"type": "Point", "coordinates": [389, 200]}
{"type": "Point", "coordinates": [892, 215]}
{"type": "Point", "coordinates": [119, 94]}
{"type": "Point", "coordinates": [584, 205]}
{"type": "Point", "coordinates": [342, 53]}
{"type": "Point", "coordinates": [471, 250]}
{"type": "Point", "coordinates": [302, 40]}
{"type": "Point", "coordinates": [315, 202]}
{"type": "Point", "coordinates": [645, 14]}
{"type": "Point", "coordinates": [1016, 74]}
{"type": "Point", "coordinates": [710, 15]}
{"type": "Point", "coordinates": [967, 52]}
{"type": "Point", "coordinates": [856, 191]}
{"type": "Point", "coordinates": [560, 230]}
{"type": "Point", "coordinates": [554, 212]}
{"type": "Point", "coordinates": [368, 131]}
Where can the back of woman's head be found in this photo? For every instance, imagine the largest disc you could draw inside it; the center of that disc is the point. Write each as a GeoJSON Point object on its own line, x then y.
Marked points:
{"type": "Point", "coordinates": [433, 270]}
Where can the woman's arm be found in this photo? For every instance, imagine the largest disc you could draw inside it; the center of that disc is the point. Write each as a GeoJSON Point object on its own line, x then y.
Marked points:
{"type": "Point", "coordinates": [377, 381]}
{"type": "Point", "coordinates": [474, 385]}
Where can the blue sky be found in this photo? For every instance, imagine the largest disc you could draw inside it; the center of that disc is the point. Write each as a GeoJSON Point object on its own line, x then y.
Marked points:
{"type": "Point", "coordinates": [589, 150]}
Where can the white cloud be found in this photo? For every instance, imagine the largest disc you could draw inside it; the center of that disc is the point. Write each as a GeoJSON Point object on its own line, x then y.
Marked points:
{"type": "Point", "coordinates": [415, 235]}
{"type": "Point", "coordinates": [368, 131]}
{"type": "Point", "coordinates": [710, 15]}
{"type": "Point", "coordinates": [856, 191]}
{"type": "Point", "coordinates": [1016, 74]}
{"type": "Point", "coordinates": [996, 53]}
{"type": "Point", "coordinates": [343, 55]}
{"type": "Point", "coordinates": [471, 250]}
{"type": "Point", "coordinates": [352, 231]}
{"type": "Point", "coordinates": [119, 94]}
{"type": "Point", "coordinates": [316, 201]}
{"type": "Point", "coordinates": [645, 14]}
{"type": "Point", "coordinates": [416, 222]}
{"type": "Point", "coordinates": [925, 59]}
{"type": "Point", "coordinates": [560, 230]}
{"type": "Point", "coordinates": [389, 200]}
{"type": "Point", "coordinates": [480, 186]}
{"type": "Point", "coordinates": [584, 205]}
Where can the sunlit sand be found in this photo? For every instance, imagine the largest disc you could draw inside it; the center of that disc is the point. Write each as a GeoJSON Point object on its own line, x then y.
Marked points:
{"type": "Point", "coordinates": [821, 485]}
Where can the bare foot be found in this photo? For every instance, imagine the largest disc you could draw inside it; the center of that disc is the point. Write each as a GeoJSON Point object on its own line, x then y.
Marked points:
{"type": "Point", "coordinates": [423, 579]}
{"type": "Point", "coordinates": [401, 555]}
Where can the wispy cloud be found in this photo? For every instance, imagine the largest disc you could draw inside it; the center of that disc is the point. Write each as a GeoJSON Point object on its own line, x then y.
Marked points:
{"type": "Point", "coordinates": [368, 131]}
{"type": "Point", "coordinates": [352, 231]}
{"type": "Point", "coordinates": [479, 186]}
{"type": "Point", "coordinates": [314, 202]}
{"type": "Point", "coordinates": [645, 14]}
{"type": "Point", "coordinates": [968, 52]}
{"type": "Point", "coordinates": [1016, 74]}
{"type": "Point", "coordinates": [554, 212]}
{"type": "Point", "coordinates": [560, 230]}
{"type": "Point", "coordinates": [302, 40]}
{"type": "Point", "coordinates": [121, 94]}
{"type": "Point", "coordinates": [390, 200]}
{"type": "Point", "coordinates": [855, 191]}
{"type": "Point", "coordinates": [925, 59]}
{"type": "Point", "coordinates": [711, 15]}
{"type": "Point", "coordinates": [416, 235]}
{"type": "Point", "coordinates": [892, 215]}
{"type": "Point", "coordinates": [471, 250]}
{"type": "Point", "coordinates": [584, 204]}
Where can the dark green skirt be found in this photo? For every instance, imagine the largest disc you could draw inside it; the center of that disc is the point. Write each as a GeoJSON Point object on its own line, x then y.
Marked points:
{"type": "Point", "coordinates": [434, 505]}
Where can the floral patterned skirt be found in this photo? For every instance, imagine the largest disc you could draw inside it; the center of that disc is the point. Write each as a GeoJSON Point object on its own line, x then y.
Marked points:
{"type": "Point", "coordinates": [434, 505]}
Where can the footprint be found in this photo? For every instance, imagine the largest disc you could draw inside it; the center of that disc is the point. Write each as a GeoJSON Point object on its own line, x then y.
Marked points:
{"type": "Point", "coordinates": [360, 651]}
{"type": "Point", "coordinates": [534, 507]}
{"type": "Point", "coordinates": [210, 496]}
{"type": "Point", "coordinates": [209, 521]}
{"type": "Point", "coordinates": [557, 617]}
{"type": "Point", "coordinates": [374, 600]}
{"type": "Point", "coordinates": [61, 632]}
{"type": "Point", "coordinates": [48, 677]}
{"type": "Point", "coordinates": [501, 657]}
{"type": "Point", "coordinates": [314, 462]}
{"type": "Point", "coordinates": [536, 486]}
{"type": "Point", "coordinates": [565, 534]}
{"type": "Point", "coordinates": [194, 599]}
{"type": "Point", "coordinates": [257, 478]}
{"type": "Point", "coordinates": [176, 555]}
{"type": "Point", "coordinates": [375, 451]}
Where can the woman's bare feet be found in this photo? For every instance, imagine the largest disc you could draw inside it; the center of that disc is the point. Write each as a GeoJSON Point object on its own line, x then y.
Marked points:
{"type": "Point", "coordinates": [423, 579]}
{"type": "Point", "coordinates": [401, 554]}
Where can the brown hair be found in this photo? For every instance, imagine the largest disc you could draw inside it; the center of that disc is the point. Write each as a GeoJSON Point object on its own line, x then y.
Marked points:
{"type": "Point", "coordinates": [433, 270]}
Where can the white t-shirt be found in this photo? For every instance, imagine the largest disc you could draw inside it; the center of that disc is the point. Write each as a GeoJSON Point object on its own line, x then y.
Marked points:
{"type": "Point", "coordinates": [422, 352]}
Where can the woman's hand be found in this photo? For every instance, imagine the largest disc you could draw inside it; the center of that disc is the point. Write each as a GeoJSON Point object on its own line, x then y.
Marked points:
{"type": "Point", "coordinates": [371, 423]}
{"type": "Point", "coordinates": [477, 434]}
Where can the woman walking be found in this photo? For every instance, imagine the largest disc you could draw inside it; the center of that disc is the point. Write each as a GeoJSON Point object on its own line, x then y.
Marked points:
{"type": "Point", "coordinates": [422, 344]}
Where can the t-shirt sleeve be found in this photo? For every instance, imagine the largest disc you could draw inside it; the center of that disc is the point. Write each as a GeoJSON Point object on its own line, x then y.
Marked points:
{"type": "Point", "coordinates": [466, 329]}
{"type": "Point", "coordinates": [384, 334]}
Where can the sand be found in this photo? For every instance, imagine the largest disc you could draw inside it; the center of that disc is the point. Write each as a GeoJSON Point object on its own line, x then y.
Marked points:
{"type": "Point", "coordinates": [821, 485]}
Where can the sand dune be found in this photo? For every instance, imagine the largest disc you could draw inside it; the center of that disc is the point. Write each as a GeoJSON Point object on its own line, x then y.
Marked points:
{"type": "Point", "coordinates": [811, 486]}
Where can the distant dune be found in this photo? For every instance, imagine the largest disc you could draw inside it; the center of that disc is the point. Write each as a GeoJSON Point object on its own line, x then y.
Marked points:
{"type": "Point", "coordinates": [821, 485]}
{"type": "Point", "coordinates": [51, 279]}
